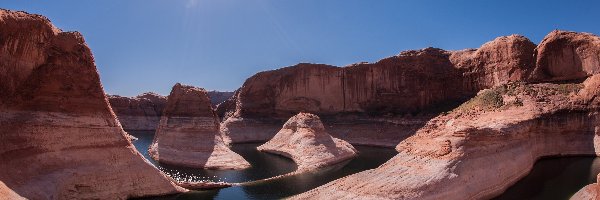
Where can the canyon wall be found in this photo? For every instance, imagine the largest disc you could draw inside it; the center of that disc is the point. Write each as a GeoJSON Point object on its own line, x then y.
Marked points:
{"type": "Point", "coordinates": [188, 133]}
{"type": "Point", "coordinates": [59, 137]}
{"type": "Point", "coordinates": [565, 55]}
{"type": "Point", "coordinates": [140, 113]}
{"type": "Point", "coordinates": [503, 130]}
{"type": "Point", "coordinates": [377, 103]}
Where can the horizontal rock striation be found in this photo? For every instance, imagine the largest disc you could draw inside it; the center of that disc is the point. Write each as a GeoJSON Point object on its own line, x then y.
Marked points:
{"type": "Point", "coordinates": [140, 113]}
{"type": "Point", "coordinates": [385, 101]}
{"type": "Point", "coordinates": [304, 139]}
{"type": "Point", "coordinates": [59, 137]}
{"type": "Point", "coordinates": [188, 133]}
{"type": "Point", "coordinates": [503, 130]}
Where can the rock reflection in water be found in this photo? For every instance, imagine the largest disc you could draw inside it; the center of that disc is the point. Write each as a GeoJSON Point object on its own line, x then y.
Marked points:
{"type": "Point", "coordinates": [555, 178]}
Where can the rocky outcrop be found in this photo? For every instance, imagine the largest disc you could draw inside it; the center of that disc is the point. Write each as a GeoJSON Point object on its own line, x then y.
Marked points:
{"type": "Point", "coordinates": [138, 113]}
{"type": "Point", "coordinates": [502, 130]}
{"type": "Point", "coordinates": [217, 97]}
{"type": "Point", "coordinates": [385, 101]}
{"type": "Point", "coordinates": [589, 192]}
{"type": "Point", "coordinates": [565, 55]}
{"type": "Point", "coordinates": [303, 139]}
{"type": "Point", "coordinates": [503, 60]}
{"type": "Point", "coordinates": [188, 133]}
{"type": "Point", "coordinates": [59, 137]}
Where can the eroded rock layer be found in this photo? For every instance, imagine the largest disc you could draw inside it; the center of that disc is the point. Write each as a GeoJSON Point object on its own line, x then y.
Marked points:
{"type": "Point", "coordinates": [188, 133]}
{"type": "Point", "coordinates": [304, 139]}
{"type": "Point", "coordinates": [565, 55]}
{"type": "Point", "coordinates": [502, 130]}
{"type": "Point", "coordinates": [138, 113]}
{"type": "Point", "coordinates": [59, 137]}
{"type": "Point", "coordinates": [397, 94]}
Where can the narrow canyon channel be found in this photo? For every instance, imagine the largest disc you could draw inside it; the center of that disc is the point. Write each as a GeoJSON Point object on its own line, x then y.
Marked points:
{"type": "Point", "coordinates": [551, 178]}
{"type": "Point", "coordinates": [264, 165]}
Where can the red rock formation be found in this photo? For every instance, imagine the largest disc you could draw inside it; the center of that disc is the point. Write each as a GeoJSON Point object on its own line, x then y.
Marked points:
{"type": "Point", "coordinates": [378, 100]}
{"type": "Point", "coordinates": [303, 139]}
{"type": "Point", "coordinates": [138, 113]}
{"type": "Point", "coordinates": [59, 137]}
{"type": "Point", "coordinates": [564, 55]}
{"type": "Point", "coordinates": [188, 133]}
{"type": "Point", "coordinates": [505, 59]}
{"type": "Point", "coordinates": [502, 130]}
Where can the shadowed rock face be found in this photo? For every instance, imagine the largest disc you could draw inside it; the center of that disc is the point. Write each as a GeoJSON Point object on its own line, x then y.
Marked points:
{"type": "Point", "coordinates": [304, 139]}
{"type": "Point", "coordinates": [565, 55]}
{"type": "Point", "coordinates": [188, 133]}
{"type": "Point", "coordinates": [502, 130]}
{"type": "Point", "coordinates": [217, 97]}
{"type": "Point", "coordinates": [385, 101]}
{"type": "Point", "coordinates": [59, 137]}
{"type": "Point", "coordinates": [138, 113]}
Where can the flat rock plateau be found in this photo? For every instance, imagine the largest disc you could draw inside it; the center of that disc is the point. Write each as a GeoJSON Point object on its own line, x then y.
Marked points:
{"type": "Point", "coordinates": [303, 139]}
{"type": "Point", "coordinates": [188, 133]}
{"type": "Point", "coordinates": [59, 136]}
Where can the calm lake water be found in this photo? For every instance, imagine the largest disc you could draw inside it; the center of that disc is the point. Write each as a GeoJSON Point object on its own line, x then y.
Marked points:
{"type": "Point", "coordinates": [551, 178]}
{"type": "Point", "coordinates": [264, 165]}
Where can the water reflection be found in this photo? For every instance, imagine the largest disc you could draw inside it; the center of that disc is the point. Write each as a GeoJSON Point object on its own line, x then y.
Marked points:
{"type": "Point", "coordinates": [555, 178]}
{"type": "Point", "coordinates": [263, 165]}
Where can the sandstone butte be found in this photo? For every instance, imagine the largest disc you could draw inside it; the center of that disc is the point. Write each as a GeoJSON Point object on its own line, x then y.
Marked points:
{"type": "Point", "coordinates": [188, 133]}
{"type": "Point", "coordinates": [378, 103]}
{"type": "Point", "coordinates": [503, 130]}
{"type": "Point", "coordinates": [59, 137]}
{"type": "Point", "coordinates": [303, 139]}
{"type": "Point", "coordinates": [140, 113]}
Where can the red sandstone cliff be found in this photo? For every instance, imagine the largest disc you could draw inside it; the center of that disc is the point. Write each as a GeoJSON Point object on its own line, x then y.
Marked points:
{"type": "Point", "coordinates": [188, 133]}
{"type": "Point", "coordinates": [138, 113]}
{"type": "Point", "coordinates": [502, 130]}
{"type": "Point", "coordinates": [377, 103]}
{"type": "Point", "coordinates": [59, 137]}
{"type": "Point", "coordinates": [565, 55]}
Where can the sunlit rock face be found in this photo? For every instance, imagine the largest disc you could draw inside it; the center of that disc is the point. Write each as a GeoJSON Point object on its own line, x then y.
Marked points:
{"type": "Point", "coordinates": [188, 133]}
{"type": "Point", "coordinates": [589, 192]}
{"type": "Point", "coordinates": [377, 103]}
{"type": "Point", "coordinates": [304, 139]}
{"type": "Point", "coordinates": [140, 113]}
{"type": "Point", "coordinates": [483, 146]}
{"type": "Point", "coordinates": [59, 137]}
{"type": "Point", "coordinates": [565, 55]}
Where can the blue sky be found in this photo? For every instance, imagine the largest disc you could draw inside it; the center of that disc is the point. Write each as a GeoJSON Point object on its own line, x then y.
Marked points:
{"type": "Point", "coordinates": [149, 45]}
